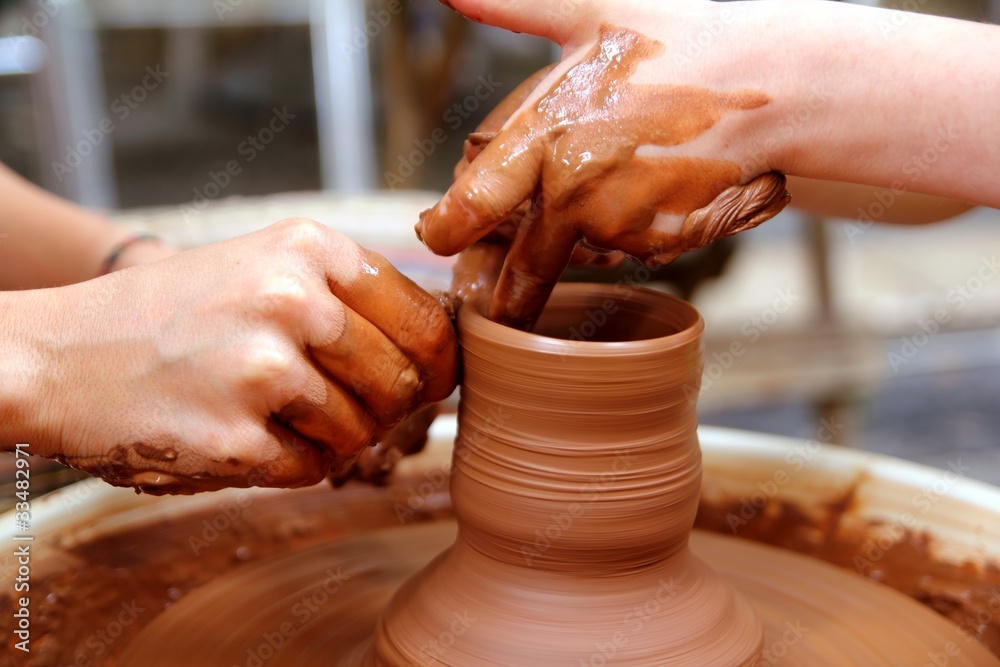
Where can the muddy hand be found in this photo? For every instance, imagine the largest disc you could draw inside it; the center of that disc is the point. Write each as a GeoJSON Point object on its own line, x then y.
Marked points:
{"type": "Point", "coordinates": [261, 361]}
{"type": "Point", "coordinates": [601, 155]}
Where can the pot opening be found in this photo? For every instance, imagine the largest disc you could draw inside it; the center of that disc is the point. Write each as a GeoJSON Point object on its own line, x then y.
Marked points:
{"type": "Point", "coordinates": [605, 314]}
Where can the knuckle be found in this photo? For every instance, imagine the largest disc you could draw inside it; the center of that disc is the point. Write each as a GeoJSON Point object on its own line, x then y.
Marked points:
{"type": "Point", "coordinates": [282, 294]}
{"type": "Point", "coordinates": [363, 435]}
{"type": "Point", "coordinates": [266, 365]}
{"type": "Point", "coordinates": [428, 330]}
{"type": "Point", "coordinates": [402, 392]}
{"type": "Point", "coordinates": [303, 234]}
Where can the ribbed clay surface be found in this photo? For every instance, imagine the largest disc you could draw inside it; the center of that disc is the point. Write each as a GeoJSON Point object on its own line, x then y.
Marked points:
{"type": "Point", "coordinates": [575, 485]}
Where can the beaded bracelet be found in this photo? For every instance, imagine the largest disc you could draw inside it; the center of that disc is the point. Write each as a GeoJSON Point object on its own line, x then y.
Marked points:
{"type": "Point", "coordinates": [108, 265]}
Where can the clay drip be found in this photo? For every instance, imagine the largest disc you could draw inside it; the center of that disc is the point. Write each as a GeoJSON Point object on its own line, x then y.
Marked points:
{"type": "Point", "coordinates": [575, 485]}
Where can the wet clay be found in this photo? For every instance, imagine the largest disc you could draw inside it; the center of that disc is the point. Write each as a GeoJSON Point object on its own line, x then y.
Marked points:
{"type": "Point", "coordinates": [596, 155]}
{"type": "Point", "coordinates": [155, 567]}
{"type": "Point", "coordinates": [575, 485]}
{"type": "Point", "coordinates": [813, 615]}
{"type": "Point", "coordinates": [571, 544]}
{"type": "Point", "coordinates": [967, 594]}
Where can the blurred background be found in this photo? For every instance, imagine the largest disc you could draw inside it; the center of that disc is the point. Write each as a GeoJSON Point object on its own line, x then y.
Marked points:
{"type": "Point", "coordinates": [198, 119]}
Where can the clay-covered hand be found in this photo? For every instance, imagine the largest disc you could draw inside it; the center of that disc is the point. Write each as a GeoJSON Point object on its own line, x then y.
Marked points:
{"type": "Point", "coordinates": [616, 148]}
{"type": "Point", "coordinates": [261, 361]}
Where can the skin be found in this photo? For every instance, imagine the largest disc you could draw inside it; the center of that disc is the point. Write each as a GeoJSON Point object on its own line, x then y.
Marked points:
{"type": "Point", "coordinates": [791, 110]}
{"type": "Point", "coordinates": [46, 241]}
{"type": "Point", "coordinates": [260, 361]}
{"type": "Point", "coordinates": [578, 154]}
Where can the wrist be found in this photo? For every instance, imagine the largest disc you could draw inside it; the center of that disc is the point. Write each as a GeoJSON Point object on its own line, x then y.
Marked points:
{"type": "Point", "coordinates": [133, 249]}
{"type": "Point", "coordinates": [804, 67]}
{"type": "Point", "coordinates": [27, 366]}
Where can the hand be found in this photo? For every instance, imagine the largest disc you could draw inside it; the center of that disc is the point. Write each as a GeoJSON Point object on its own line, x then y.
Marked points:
{"type": "Point", "coordinates": [615, 149]}
{"type": "Point", "coordinates": [146, 252]}
{"type": "Point", "coordinates": [260, 361]}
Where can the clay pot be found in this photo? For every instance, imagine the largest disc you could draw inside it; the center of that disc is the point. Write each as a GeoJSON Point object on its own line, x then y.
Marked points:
{"type": "Point", "coordinates": [575, 484]}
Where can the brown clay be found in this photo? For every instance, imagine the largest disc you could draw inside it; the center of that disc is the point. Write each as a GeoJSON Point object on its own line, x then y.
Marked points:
{"type": "Point", "coordinates": [575, 484]}
{"type": "Point", "coordinates": [589, 155]}
{"type": "Point", "coordinates": [575, 453]}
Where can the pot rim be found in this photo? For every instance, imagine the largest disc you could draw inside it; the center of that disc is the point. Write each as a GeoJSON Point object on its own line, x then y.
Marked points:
{"type": "Point", "coordinates": [471, 321]}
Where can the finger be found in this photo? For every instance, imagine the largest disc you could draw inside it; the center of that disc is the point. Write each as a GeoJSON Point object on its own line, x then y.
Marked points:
{"type": "Point", "coordinates": [500, 179]}
{"type": "Point", "coordinates": [475, 275]}
{"type": "Point", "coordinates": [503, 234]}
{"type": "Point", "coordinates": [413, 320]}
{"type": "Point", "coordinates": [502, 112]}
{"type": "Point", "coordinates": [545, 18]}
{"type": "Point", "coordinates": [497, 118]}
{"type": "Point", "coordinates": [737, 209]}
{"type": "Point", "coordinates": [587, 255]}
{"type": "Point", "coordinates": [609, 260]}
{"type": "Point", "coordinates": [329, 415]}
{"type": "Point", "coordinates": [540, 253]}
{"type": "Point", "coordinates": [376, 463]}
{"type": "Point", "coordinates": [583, 256]}
{"type": "Point", "coordinates": [294, 460]}
{"type": "Point", "coordinates": [476, 143]}
{"type": "Point", "coordinates": [256, 454]}
{"type": "Point", "coordinates": [364, 361]}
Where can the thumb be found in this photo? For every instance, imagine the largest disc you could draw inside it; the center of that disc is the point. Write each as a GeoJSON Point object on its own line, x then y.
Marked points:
{"type": "Point", "coordinates": [553, 19]}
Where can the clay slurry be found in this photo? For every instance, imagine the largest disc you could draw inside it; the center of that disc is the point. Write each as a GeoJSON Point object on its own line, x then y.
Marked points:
{"type": "Point", "coordinates": [598, 155]}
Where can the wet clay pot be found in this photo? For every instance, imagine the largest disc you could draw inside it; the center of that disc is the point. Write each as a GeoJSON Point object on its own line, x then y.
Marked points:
{"type": "Point", "coordinates": [575, 483]}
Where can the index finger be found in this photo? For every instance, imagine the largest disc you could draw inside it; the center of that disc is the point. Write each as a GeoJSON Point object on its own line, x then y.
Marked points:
{"type": "Point", "coordinates": [502, 177]}
{"type": "Point", "coordinates": [534, 17]}
{"type": "Point", "coordinates": [540, 253]}
{"type": "Point", "coordinates": [498, 117]}
{"type": "Point", "coordinates": [409, 316]}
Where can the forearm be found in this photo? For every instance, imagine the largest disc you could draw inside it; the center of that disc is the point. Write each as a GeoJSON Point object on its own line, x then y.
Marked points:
{"type": "Point", "coordinates": [870, 96]}
{"type": "Point", "coordinates": [849, 200]}
{"type": "Point", "coordinates": [46, 241]}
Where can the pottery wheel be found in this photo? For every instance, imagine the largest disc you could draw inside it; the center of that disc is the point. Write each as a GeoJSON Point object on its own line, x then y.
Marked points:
{"type": "Point", "coordinates": [320, 606]}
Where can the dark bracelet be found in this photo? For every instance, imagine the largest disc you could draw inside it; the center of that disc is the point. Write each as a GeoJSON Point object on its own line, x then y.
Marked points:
{"type": "Point", "coordinates": [108, 265]}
